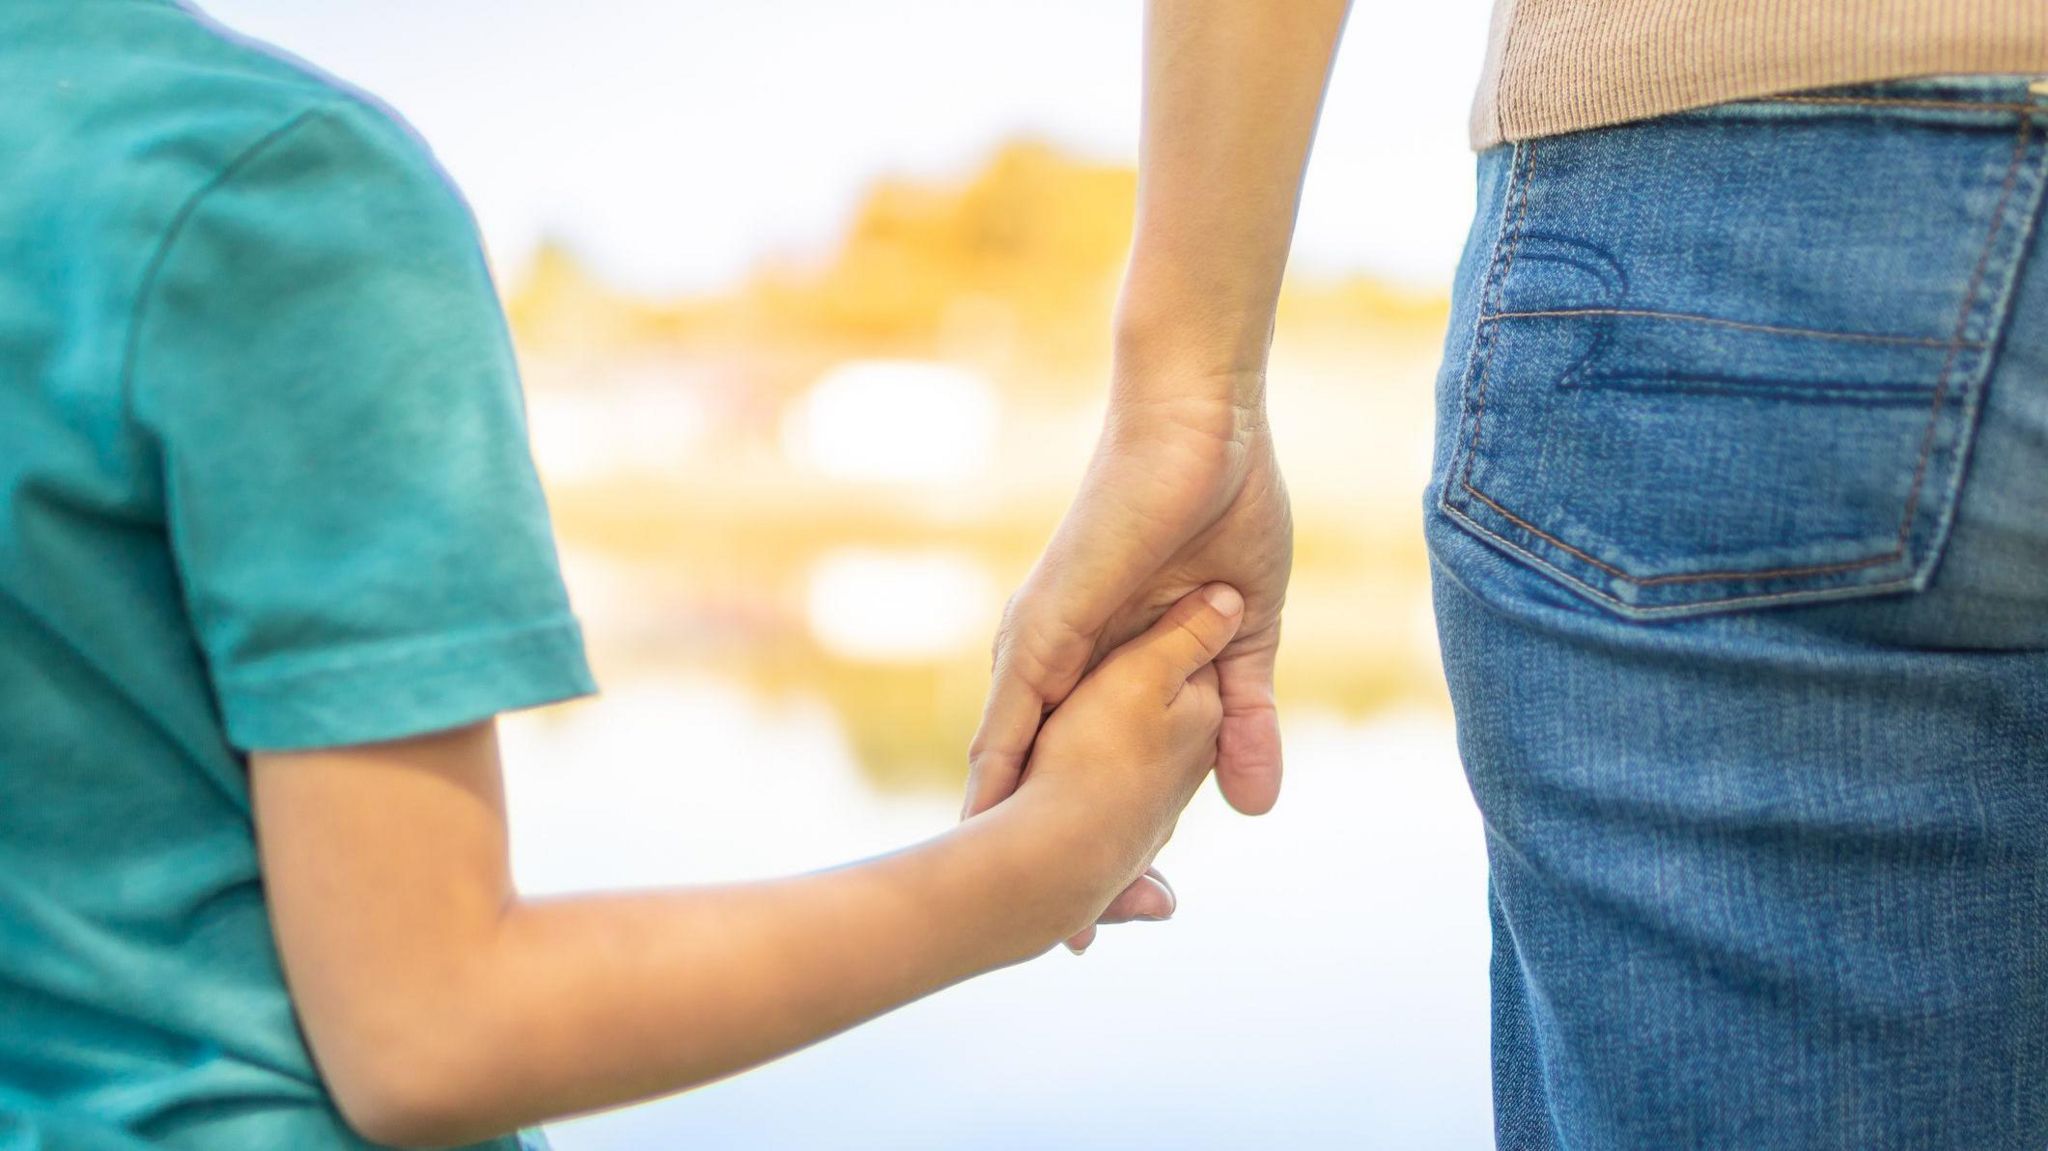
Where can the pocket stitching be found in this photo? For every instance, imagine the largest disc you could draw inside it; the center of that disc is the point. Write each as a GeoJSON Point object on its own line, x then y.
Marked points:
{"type": "Point", "coordinates": [1648, 382]}
{"type": "Point", "coordinates": [1744, 325]}
{"type": "Point", "coordinates": [1639, 611]}
{"type": "Point", "coordinates": [1955, 345]}
{"type": "Point", "coordinates": [1680, 577]}
{"type": "Point", "coordinates": [1496, 289]}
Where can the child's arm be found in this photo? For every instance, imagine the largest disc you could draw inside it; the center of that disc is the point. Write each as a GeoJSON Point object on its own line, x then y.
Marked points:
{"type": "Point", "coordinates": [442, 1007]}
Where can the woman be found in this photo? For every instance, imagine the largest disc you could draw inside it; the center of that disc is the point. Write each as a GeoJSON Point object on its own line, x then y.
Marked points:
{"type": "Point", "coordinates": [1739, 527]}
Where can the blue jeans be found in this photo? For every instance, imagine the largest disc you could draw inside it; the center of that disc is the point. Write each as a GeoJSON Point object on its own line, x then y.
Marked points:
{"type": "Point", "coordinates": [1739, 529]}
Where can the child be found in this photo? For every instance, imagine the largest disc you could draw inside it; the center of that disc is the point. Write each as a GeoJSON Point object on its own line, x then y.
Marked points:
{"type": "Point", "coordinates": [272, 556]}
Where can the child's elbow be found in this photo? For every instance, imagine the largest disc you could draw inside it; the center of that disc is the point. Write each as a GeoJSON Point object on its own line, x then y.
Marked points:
{"type": "Point", "coordinates": [413, 1099]}
{"type": "Point", "coordinates": [396, 1123]}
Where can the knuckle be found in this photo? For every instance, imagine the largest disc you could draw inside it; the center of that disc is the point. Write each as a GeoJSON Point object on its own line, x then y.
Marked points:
{"type": "Point", "coordinates": [978, 750]}
{"type": "Point", "coordinates": [1047, 656]}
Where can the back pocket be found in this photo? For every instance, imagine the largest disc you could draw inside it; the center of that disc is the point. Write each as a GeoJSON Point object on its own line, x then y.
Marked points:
{"type": "Point", "coordinates": [1734, 358]}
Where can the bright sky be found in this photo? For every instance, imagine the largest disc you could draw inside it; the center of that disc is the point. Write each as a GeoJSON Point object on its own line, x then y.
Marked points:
{"type": "Point", "coordinates": [673, 142]}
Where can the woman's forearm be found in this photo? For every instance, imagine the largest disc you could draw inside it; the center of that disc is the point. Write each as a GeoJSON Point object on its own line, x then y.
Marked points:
{"type": "Point", "coordinates": [1232, 93]}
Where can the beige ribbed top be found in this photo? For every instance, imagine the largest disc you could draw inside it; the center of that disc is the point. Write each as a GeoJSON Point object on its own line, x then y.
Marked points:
{"type": "Point", "coordinates": [1561, 65]}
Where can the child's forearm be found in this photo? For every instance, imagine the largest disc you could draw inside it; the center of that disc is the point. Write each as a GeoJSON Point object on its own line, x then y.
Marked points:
{"type": "Point", "coordinates": [610, 999]}
{"type": "Point", "coordinates": [442, 1008]}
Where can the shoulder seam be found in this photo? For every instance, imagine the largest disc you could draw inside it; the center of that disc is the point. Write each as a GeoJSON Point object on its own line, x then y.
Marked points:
{"type": "Point", "coordinates": [132, 340]}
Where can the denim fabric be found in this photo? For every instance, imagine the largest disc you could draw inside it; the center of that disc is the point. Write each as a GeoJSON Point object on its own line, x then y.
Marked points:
{"type": "Point", "coordinates": [1739, 528]}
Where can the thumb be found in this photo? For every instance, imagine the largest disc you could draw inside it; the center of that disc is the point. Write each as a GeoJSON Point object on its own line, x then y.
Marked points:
{"type": "Point", "coordinates": [1248, 748]}
{"type": "Point", "coordinates": [1191, 634]}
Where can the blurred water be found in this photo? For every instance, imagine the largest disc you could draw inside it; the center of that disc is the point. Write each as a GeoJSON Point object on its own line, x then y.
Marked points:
{"type": "Point", "coordinates": [1323, 985]}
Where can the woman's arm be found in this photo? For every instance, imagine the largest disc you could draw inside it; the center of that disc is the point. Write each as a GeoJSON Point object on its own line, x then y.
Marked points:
{"type": "Point", "coordinates": [1184, 487]}
{"type": "Point", "coordinates": [443, 1008]}
{"type": "Point", "coordinates": [1232, 95]}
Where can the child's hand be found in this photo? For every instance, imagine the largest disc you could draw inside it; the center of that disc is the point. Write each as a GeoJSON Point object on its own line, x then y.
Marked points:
{"type": "Point", "coordinates": [1120, 758]}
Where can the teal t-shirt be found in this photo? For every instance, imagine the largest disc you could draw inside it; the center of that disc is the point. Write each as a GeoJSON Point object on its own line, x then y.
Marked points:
{"type": "Point", "coordinates": [264, 484]}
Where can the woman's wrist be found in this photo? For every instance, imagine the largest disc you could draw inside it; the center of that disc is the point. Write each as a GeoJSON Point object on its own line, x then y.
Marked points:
{"type": "Point", "coordinates": [1183, 356]}
{"type": "Point", "coordinates": [1192, 325]}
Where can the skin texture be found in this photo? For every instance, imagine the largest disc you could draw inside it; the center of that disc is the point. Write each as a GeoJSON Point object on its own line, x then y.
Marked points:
{"type": "Point", "coordinates": [1183, 487]}
{"type": "Point", "coordinates": [444, 1008]}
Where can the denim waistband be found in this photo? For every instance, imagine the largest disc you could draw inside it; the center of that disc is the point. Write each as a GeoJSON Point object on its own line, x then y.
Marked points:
{"type": "Point", "coordinates": [1973, 97]}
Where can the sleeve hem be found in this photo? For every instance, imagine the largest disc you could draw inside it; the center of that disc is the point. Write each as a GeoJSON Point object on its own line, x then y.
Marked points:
{"type": "Point", "coordinates": [392, 691]}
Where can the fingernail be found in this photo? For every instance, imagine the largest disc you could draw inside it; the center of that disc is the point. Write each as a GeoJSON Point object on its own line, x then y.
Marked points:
{"type": "Point", "coordinates": [1076, 952]}
{"type": "Point", "coordinates": [1172, 900]}
{"type": "Point", "coordinates": [1223, 598]}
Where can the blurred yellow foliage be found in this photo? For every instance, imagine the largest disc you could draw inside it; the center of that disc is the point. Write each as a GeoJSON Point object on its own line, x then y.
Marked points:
{"type": "Point", "coordinates": [708, 544]}
{"type": "Point", "coordinates": [1029, 248]}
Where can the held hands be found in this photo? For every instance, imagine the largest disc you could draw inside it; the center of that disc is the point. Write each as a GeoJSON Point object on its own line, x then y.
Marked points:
{"type": "Point", "coordinates": [1183, 489]}
{"type": "Point", "coordinates": [1115, 765]}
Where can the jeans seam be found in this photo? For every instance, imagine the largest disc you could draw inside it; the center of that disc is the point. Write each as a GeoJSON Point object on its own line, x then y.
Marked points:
{"type": "Point", "coordinates": [1475, 353]}
{"type": "Point", "coordinates": [1955, 345]}
{"type": "Point", "coordinates": [1744, 325]}
{"type": "Point", "coordinates": [1497, 290]}
{"type": "Point", "coordinates": [2012, 173]}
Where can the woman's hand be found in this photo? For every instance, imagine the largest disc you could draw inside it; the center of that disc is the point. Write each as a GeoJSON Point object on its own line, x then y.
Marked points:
{"type": "Point", "coordinates": [1181, 492]}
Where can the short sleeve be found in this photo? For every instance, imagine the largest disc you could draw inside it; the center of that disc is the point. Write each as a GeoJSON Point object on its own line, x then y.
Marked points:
{"type": "Point", "coordinates": [322, 365]}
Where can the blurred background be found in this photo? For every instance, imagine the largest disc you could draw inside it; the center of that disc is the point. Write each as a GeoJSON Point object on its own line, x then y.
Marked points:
{"type": "Point", "coordinates": [812, 299]}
